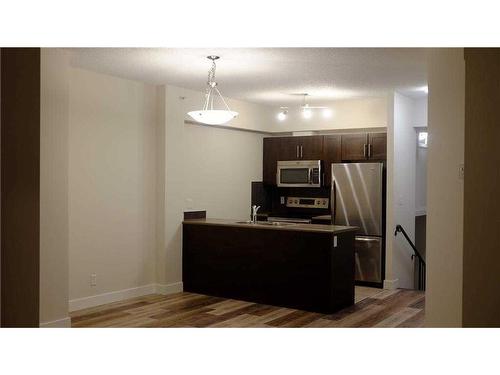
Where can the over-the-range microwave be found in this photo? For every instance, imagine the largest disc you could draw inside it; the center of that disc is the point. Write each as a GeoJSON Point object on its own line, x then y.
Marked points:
{"type": "Point", "coordinates": [299, 173]}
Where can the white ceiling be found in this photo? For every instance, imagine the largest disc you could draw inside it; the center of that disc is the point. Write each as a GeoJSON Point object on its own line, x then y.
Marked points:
{"type": "Point", "coordinates": [269, 75]}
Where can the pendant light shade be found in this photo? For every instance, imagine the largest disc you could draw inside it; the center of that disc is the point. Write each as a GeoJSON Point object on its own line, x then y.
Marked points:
{"type": "Point", "coordinates": [208, 115]}
{"type": "Point", "coordinates": [213, 116]}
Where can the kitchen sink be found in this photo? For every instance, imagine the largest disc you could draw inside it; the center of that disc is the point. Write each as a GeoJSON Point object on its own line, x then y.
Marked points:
{"type": "Point", "coordinates": [271, 223]}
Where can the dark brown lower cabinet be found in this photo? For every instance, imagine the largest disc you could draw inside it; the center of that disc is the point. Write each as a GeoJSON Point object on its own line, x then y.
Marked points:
{"type": "Point", "coordinates": [287, 268]}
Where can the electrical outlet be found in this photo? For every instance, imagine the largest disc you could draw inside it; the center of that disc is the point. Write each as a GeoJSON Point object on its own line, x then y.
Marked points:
{"type": "Point", "coordinates": [93, 279]}
{"type": "Point", "coordinates": [461, 171]}
{"type": "Point", "coordinates": [282, 200]}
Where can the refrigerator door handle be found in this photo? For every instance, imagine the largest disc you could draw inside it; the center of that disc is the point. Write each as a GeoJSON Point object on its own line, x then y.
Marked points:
{"type": "Point", "coordinates": [333, 202]}
{"type": "Point", "coordinates": [365, 239]}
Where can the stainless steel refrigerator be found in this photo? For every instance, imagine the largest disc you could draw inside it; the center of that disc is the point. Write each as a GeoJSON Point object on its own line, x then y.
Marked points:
{"type": "Point", "coordinates": [357, 200]}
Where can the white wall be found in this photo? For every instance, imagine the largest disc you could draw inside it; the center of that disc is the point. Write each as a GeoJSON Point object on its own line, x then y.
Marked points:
{"type": "Point", "coordinates": [421, 181]}
{"type": "Point", "coordinates": [445, 194]}
{"type": "Point", "coordinates": [54, 115]}
{"type": "Point", "coordinates": [420, 121]}
{"type": "Point", "coordinates": [112, 183]}
{"type": "Point", "coordinates": [206, 168]}
{"type": "Point", "coordinates": [404, 187]}
{"type": "Point", "coordinates": [420, 112]}
{"type": "Point", "coordinates": [401, 191]}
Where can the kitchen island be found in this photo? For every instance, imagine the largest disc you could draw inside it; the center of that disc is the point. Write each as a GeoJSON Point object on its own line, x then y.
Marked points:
{"type": "Point", "coordinates": [301, 266]}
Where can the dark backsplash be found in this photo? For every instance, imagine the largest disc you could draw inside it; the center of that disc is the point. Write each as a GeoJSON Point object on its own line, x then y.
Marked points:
{"type": "Point", "coordinates": [269, 198]}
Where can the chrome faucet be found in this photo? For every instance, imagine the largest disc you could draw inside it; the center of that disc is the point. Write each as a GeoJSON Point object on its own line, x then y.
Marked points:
{"type": "Point", "coordinates": [254, 213]}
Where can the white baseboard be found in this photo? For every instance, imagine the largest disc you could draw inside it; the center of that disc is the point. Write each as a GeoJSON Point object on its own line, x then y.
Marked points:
{"type": "Point", "coordinates": [169, 288]}
{"type": "Point", "coordinates": [422, 211]}
{"type": "Point", "coordinates": [60, 323]}
{"type": "Point", "coordinates": [391, 284]}
{"type": "Point", "coordinates": [120, 295]}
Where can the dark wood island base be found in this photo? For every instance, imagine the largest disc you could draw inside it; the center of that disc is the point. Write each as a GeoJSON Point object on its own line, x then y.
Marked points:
{"type": "Point", "coordinates": [307, 267]}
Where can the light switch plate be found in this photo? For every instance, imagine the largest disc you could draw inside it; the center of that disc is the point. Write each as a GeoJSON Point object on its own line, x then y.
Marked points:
{"type": "Point", "coordinates": [334, 241]}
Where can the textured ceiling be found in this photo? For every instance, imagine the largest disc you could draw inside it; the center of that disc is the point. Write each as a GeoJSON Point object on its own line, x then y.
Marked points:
{"type": "Point", "coordinates": [269, 75]}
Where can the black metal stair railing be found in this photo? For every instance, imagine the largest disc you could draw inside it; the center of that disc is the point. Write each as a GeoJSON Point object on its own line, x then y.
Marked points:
{"type": "Point", "coordinates": [421, 261]}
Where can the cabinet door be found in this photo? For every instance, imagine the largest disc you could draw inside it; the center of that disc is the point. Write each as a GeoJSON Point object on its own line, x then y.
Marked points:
{"type": "Point", "coordinates": [269, 160]}
{"type": "Point", "coordinates": [331, 154]}
{"type": "Point", "coordinates": [289, 148]}
{"type": "Point", "coordinates": [378, 146]}
{"type": "Point", "coordinates": [354, 146]}
{"type": "Point", "coordinates": [311, 147]}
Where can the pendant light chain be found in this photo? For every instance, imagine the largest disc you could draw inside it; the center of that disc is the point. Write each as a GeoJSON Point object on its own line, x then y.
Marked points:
{"type": "Point", "coordinates": [212, 86]}
{"type": "Point", "coordinates": [211, 75]}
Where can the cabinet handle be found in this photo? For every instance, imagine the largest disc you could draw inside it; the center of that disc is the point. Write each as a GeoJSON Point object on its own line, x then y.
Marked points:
{"type": "Point", "coordinates": [369, 150]}
{"type": "Point", "coordinates": [364, 150]}
{"type": "Point", "coordinates": [297, 153]}
{"type": "Point", "coordinates": [301, 152]}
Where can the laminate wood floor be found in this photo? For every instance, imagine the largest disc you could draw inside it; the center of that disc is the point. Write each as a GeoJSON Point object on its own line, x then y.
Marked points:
{"type": "Point", "coordinates": [373, 308]}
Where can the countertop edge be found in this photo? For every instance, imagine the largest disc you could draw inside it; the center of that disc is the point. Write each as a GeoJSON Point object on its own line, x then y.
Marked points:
{"type": "Point", "coordinates": [314, 228]}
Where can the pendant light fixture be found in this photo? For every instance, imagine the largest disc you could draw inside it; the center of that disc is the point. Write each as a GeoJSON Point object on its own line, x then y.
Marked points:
{"type": "Point", "coordinates": [306, 110]}
{"type": "Point", "coordinates": [282, 114]}
{"type": "Point", "coordinates": [208, 115]}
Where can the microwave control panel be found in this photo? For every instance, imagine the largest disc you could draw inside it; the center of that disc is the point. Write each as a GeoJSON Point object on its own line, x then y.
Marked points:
{"type": "Point", "coordinates": [307, 202]}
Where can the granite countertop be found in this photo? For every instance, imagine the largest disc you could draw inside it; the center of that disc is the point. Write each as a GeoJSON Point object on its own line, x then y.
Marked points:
{"type": "Point", "coordinates": [320, 228]}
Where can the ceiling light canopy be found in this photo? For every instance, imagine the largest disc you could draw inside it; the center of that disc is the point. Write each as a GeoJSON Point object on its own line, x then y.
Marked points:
{"type": "Point", "coordinates": [305, 109]}
{"type": "Point", "coordinates": [208, 115]}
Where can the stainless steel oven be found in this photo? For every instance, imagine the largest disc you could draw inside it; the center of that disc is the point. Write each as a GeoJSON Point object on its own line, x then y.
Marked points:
{"type": "Point", "coordinates": [299, 173]}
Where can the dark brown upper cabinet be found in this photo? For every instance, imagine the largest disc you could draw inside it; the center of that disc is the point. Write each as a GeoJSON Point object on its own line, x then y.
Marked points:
{"type": "Point", "coordinates": [364, 146]}
{"type": "Point", "coordinates": [329, 148]}
{"type": "Point", "coordinates": [332, 153]}
{"type": "Point", "coordinates": [311, 148]}
{"type": "Point", "coordinates": [354, 146]}
{"type": "Point", "coordinates": [270, 159]}
{"type": "Point", "coordinates": [377, 146]}
{"type": "Point", "coordinates": [301, 148]}
{"type": "Point", "coordinates": [289, 148]}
